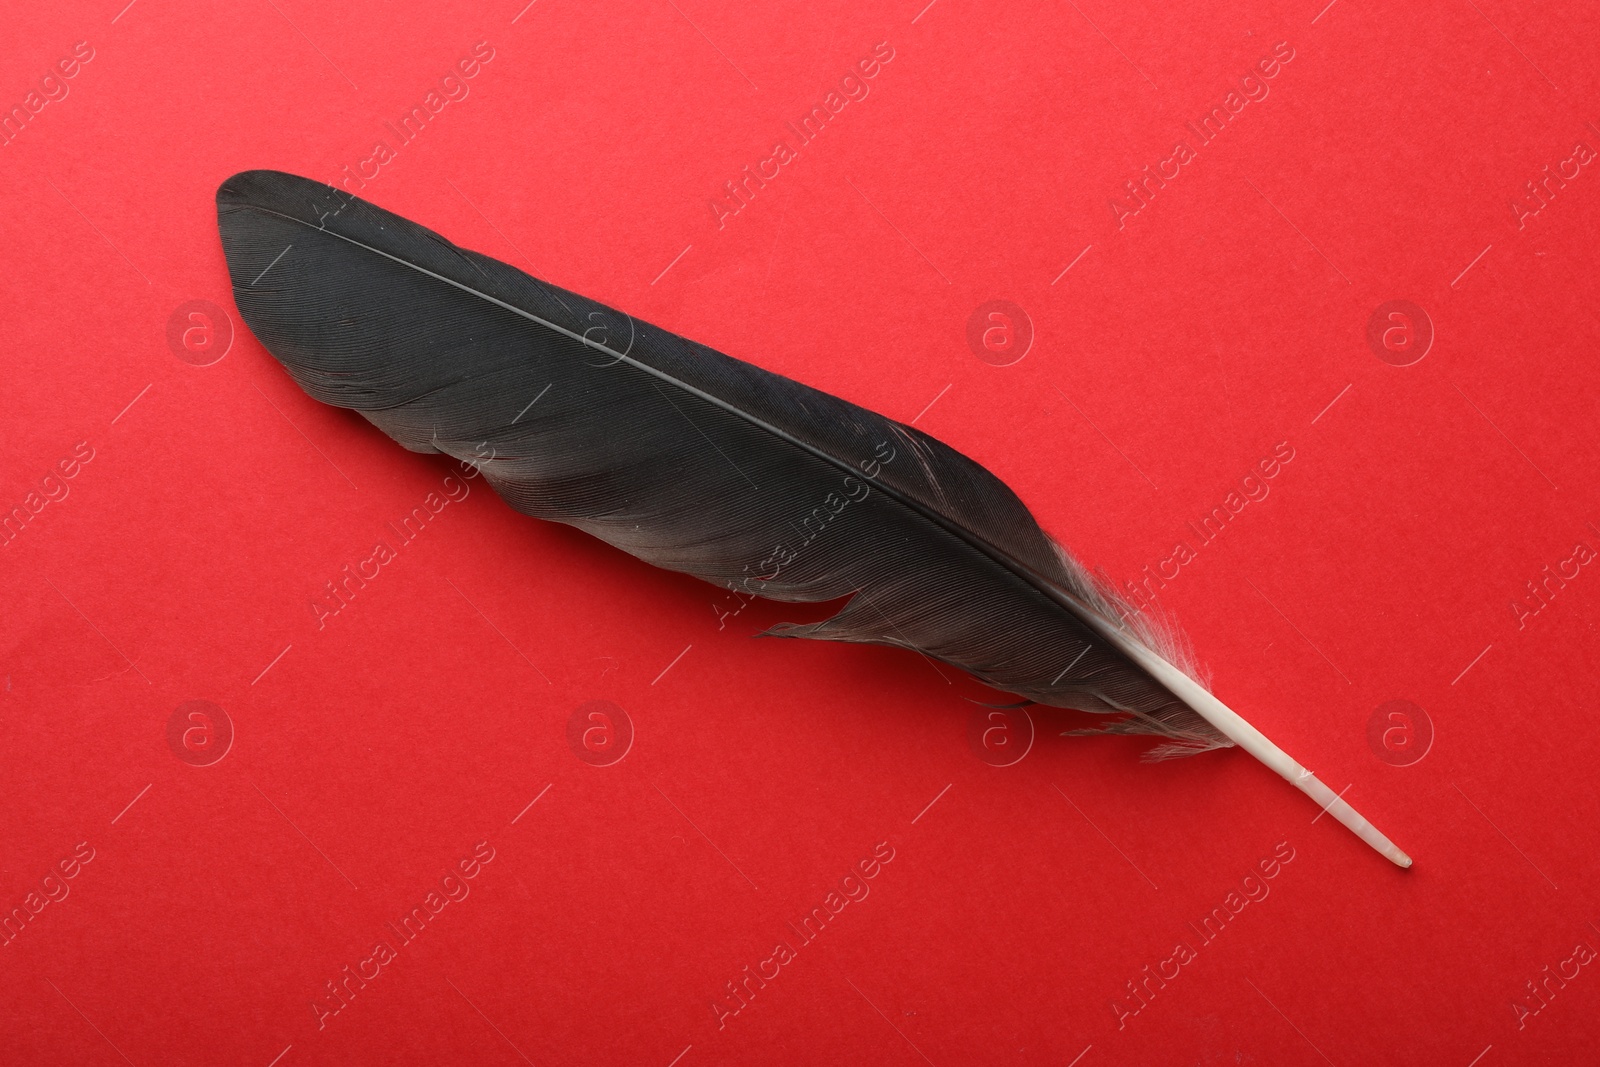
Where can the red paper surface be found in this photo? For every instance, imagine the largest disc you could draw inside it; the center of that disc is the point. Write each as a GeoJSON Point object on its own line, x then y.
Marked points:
{"type": "Point", "coordinates": [1407, 514]}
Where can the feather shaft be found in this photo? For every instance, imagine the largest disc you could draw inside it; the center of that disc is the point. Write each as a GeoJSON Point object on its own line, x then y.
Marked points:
{"type": "Point", "coordinates": [1239, 730]}
{"type": "Point", "coordinates": [699, 463]}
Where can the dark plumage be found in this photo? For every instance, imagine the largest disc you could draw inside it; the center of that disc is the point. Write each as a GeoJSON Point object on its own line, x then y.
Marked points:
{"type": "Point", "coordinates": [700, 463]}
{"type": "Point", "coordinates": [676, 453]}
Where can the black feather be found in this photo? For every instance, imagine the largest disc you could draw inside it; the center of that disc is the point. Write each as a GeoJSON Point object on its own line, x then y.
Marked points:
{"type": "Point", "coordinates": [680, 455]}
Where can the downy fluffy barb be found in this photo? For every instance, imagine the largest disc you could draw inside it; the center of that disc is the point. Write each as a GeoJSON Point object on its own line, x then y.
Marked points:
{"type": "Point", "coordinates": [682, 456]}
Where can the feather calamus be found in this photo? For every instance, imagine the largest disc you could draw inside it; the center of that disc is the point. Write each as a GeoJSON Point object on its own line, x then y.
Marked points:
{"type": "Point", "coordinates": [703, 464]}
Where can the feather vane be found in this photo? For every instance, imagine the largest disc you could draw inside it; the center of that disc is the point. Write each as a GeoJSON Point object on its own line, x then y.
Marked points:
{"type": "Point", "coordinates": [703, 464]}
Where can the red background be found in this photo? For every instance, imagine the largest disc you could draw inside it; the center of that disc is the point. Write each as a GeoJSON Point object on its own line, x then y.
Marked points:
{"type": "Point", "coordinates": [1228, 315]}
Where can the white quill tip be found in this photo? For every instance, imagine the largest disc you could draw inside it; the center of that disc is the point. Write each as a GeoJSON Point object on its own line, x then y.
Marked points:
{"type": "Point", "coordinates": [1238, 730]}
